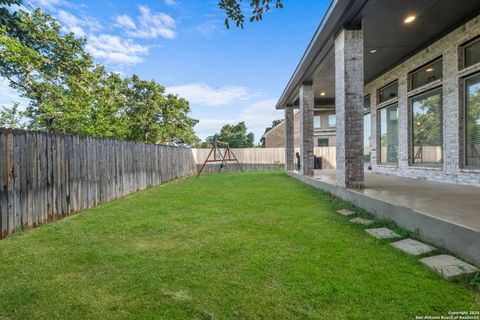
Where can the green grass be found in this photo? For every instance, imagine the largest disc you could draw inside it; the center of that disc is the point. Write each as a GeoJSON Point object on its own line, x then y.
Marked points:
{"type": "Point", "coordinates": [245, 246]}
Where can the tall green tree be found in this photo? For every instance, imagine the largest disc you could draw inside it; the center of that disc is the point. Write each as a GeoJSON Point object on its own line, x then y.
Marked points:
{"type": "Point", "coordinates": [235, 135]}
{"type": "Point", "coordinates": [70, 93]}
{"type": "Point", "coordinates": [155, 117]}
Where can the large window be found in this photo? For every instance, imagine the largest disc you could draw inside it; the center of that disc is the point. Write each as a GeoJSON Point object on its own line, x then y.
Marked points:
{"type": "Point", "coordinates": [317, 122]}
{"type": "Point", "coordinates": [388, 92]}
{"type": "Point", "coordinates": [332, 120]}
{"type": "Point", "coordinates": [367, 130]}
{"type": "Point", "coordinates": [472, 53]}
{"type": "Point", "coordinates": [388, 134]}
{"type": "Point", "coordinates": [472, 121]}
{"type": "Point", "coordinates": [367, 134]}
{"type": "Point", "coordinates": [426, 124]}
{"type": "Point", "coordinates": [427, 74]}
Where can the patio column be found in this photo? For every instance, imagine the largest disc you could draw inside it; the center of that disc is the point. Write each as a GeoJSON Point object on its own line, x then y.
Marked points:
{"type": "Point", "coordinates": [349, 108]}
{"type": "Point", "coordinates": [289, 139]}
{"type": "Point", "coordinates": [306, 128]}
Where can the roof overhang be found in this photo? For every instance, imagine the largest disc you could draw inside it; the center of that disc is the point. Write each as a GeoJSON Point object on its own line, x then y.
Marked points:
{"type": "Point", "coordinates": [384, 31]}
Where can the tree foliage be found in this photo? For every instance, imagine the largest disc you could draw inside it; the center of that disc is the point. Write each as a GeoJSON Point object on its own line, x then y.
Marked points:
{"type": "Point", "coordinates": [235, 135]}
{"type": "Point", "coordinates": [11, 117]}
{"type": "Point", "coordinates": [235, 10]}
{"type": "Point", "coordinates": [69, 93]}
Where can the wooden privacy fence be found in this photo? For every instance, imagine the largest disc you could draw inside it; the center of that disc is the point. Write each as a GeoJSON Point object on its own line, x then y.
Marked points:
{"type": "Point", "coordinates": [45, 177]}
{"type": "Point", "coordinates": [252, 159]}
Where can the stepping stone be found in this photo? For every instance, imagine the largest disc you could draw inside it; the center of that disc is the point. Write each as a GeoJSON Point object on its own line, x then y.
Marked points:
{"type": "Point", "coordinates": [382, 233]}
{"type": "Point", "coordinates": [362, 221]}
{"type": "Point", "coordinates": [346, 212]}
{"type": "Point", "coordinates": [412, 247]}
{"type": "Point", "coordinates": [449, 267]}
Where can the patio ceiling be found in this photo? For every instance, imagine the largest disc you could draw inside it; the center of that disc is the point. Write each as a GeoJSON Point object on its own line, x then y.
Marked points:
{"type": "Point", "coordinates": [384, 31]}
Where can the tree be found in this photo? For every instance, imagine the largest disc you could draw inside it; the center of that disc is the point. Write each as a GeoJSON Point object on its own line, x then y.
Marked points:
{"type": "Point", "coordinates": [69, 93]}
{"type": "Point", "coordinates": [235, 11]}
{"type": "Point", "coordinates": [11, 117]}
{"type": "Point", "coordinates": [156, 118]}
{"type": "Point", "coordinates": [235, 135]}
{"type": "Point", "coordinates": [7, 17]}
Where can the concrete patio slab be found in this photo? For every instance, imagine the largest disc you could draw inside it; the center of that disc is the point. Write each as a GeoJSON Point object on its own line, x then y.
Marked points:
{"type": "Point", "coordinates": [346, 212]}
{"type": "Point", "coordinates": [443, 214]}
{"type": "Point", "coordinates": [362, 221]}
{"type": "Point", "coordinates": [412, 247]}
{"type": "Point", "coordinates": [382, 233]}
{"type": "Point", "coordinates": [448, 266]}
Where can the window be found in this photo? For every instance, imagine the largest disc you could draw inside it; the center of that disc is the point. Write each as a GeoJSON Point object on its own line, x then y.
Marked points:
{"type": "Point", "coordinates": [317, 122]}
{"type": "Point", "coordinates": [322, 142]}
{"type": "Point", "coordinates": [388, 134]}
{"type": "Point", "coordinates": [332, 120]}
{"type": "Point", "coordinates": [388, 92]}
{"type": "Point", "coordinates": [426, 124]}
{"type": "Point", "coordinates": [472, 121]}
{"type": "Point", "coordinates": [366, 103]}
{"type": "Point", "coordinates": [472, 53]}
{"type": "Point", "coordinates": [427, 74]}
{"type": "Point", "coordinates": [367, 134]}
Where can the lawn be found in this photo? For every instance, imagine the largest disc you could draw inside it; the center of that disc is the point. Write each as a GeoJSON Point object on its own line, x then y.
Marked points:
{"type": "Point", "coordinates": [226, 246]}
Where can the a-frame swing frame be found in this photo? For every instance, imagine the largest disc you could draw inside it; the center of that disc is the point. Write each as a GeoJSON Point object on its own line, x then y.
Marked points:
{"type": "Point", "coordinates": [227, 156]}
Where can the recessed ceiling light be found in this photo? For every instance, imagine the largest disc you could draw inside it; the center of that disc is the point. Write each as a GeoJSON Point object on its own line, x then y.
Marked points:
{"type": "Point", "coordinates": [373, 50]}
{"type": "Point", "coordinates": [409, 19]}
{"type": "Point", "coordinates": [429, 70]}
{"type": "Point", "coordinates": [322, 93]}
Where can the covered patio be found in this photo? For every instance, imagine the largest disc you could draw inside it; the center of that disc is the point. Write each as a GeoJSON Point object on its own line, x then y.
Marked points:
{"type": "Point", "coordinates": [384, 65]}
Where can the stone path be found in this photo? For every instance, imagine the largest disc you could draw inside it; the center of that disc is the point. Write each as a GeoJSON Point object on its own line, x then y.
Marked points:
{"type": "Point", "coordinates": [382, 233]}
{"type": "Point", "coordinates": [346, 212]}
{"type": "Point", "coordinates": [412, 247]}
{"type": "Point", "coordinates": [448, 266]}
{"type": "Point", "coordinates": [362, 221]}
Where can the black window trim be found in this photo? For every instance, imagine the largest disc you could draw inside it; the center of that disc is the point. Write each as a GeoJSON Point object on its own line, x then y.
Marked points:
{"type": "Point", "coordinates": [411, 152]}
{"type": "Point", "coordinates": [416, 70]}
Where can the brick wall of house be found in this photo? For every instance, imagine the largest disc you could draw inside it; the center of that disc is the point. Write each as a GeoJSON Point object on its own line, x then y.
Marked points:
{"type": "Point", "coordinates": [448, 49]}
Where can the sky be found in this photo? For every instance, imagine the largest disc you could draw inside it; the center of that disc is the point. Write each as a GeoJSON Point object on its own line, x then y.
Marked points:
{"type": "Point", "coordinates": [227, 75]}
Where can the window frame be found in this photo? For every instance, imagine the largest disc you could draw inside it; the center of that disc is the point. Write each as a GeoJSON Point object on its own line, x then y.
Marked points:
{"type": "Point", "coordinates": [332, 115]}
{"type": "Point", "coordinates": [462, 53]}
{"type": "Point", "coordinates": [411, 147]}
{"type": "Point", "coordinates": [417, 70]}
{"type": "Point", "coordinates": [463, 110]}
{"type": "Point", "coordinates": [387, 102]}
{"type": "Point", "coordinates": [368, 111]}
{"type": "Point", "coordinates": [318, 142]}
{"type": "Point", "coordinates": [379, 136]}
{"type": "Point", "coordinates": [320, 118]}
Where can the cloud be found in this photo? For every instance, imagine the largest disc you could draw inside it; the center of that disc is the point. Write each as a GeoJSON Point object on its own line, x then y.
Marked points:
{"type": "Point", "coordinates": [126, 22]}
{"type": "Point", "coordinates": [49, 4]}
{"type": "Point", "coordinates": [8, 96]}
{"type": "Point", "coordinates": [149, 25]}
{"type": "Point", "coordinates": [81, 26]}
{"type": "Point", "coordinates": [203, 94]}
{"type": "Point", "coordinates": [208, 28]}
{"type": "Point", "coordinates": [171, 3]}
{"type": "Point", "coordinates": [115, 50]}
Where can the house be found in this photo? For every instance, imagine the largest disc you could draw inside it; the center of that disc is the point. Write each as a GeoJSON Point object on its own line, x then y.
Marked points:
{"type": "Point", "coordinates": [404, 79]}
{"type": "Point", "coordinates": [324, 124]}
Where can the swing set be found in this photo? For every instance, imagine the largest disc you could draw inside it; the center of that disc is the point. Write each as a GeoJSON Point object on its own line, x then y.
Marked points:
{"type": "Point", "coordinates": [218, 156]}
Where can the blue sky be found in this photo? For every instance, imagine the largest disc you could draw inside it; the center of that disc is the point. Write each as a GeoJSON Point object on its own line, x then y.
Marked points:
{"type": "Point", "coordinates": [227, 75]}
